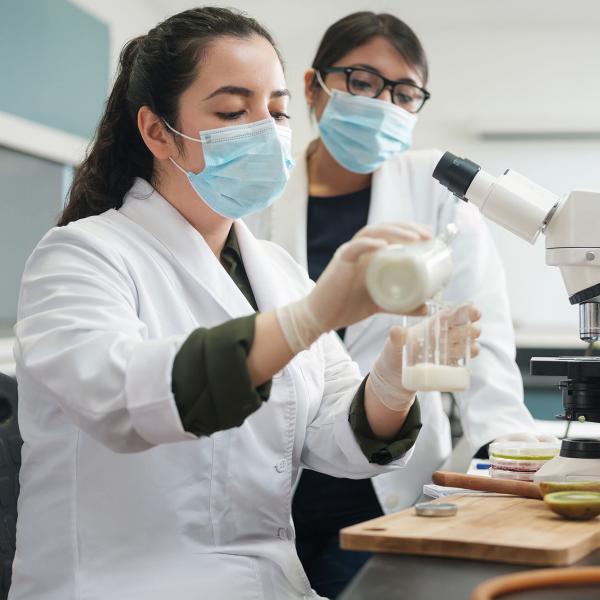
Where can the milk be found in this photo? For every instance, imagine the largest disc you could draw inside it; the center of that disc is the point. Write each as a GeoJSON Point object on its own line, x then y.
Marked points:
{"type": "Point", "coordinates": [431, 377]}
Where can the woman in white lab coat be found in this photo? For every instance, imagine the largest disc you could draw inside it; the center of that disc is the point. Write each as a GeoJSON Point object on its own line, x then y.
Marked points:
{"type": "Point", "coordinates": [174, 372]}
{"type": "Point", "coordinates": [365, 88]}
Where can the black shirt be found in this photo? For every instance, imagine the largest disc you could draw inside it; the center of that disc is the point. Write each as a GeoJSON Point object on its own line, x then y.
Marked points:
{"type": "Point", "coordinates": [348, 212]}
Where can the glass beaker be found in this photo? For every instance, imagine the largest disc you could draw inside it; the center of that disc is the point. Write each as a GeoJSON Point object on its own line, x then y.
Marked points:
{"type": "Point", "coordinates": [437, 350]}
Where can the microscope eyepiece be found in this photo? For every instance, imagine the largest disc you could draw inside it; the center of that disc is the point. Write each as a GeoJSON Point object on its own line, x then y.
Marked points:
{"type": "Point", "coordinates": [456, 173]}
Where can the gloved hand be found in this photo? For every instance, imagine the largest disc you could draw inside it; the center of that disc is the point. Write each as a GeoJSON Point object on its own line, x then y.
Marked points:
{"type": "Point", "coordinates": [461, 325]}
{"type": "Point", "coordinates": [340, 297]}
{"type": "Point", "coordinates": [526, 436]}
{"type": "Point", "coordinates": [385, 379]}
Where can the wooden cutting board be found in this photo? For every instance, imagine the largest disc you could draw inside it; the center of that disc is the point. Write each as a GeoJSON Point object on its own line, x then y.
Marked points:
{"type": "Point", "coordinates": [492, 528]}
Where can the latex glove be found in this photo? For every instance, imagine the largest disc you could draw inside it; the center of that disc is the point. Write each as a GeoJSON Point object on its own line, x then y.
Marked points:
{"type": "Point", "coordinates": [526, 436]}
{"type": "Point", "coordinates": [340, 297]}
{"type": "Point", "coordinates": [462, 325]}
{"type": "Point", "coordinates": [385, 378]}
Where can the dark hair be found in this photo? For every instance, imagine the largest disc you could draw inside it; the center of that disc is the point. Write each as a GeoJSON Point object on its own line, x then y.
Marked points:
{"type": "Point", "coordinates": [154, 70]}
{"type": "Point", "coordinates": [361, 27]}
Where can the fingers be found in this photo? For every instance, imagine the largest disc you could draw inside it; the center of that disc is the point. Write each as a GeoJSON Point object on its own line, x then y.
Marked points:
{"type": "Point", "coordinates": [457, 351]}
{"type": "Point", "coordinates": [463, 314]}
{"type": "Point", "coordinates": [392, 234]}
{"type": "Point", "coordinates": [351, 251]}
{"type": "Point", "coordinates": [458, 334]}
{"type": "Point", "coordinates": [474, 313]}
{"type": "Point", "coordinates": [420, 311]}
{"type": "Point", "coordinates": [395, 233]}
{"type": "Point", "coordinates": [394, 346]}
{"type": "Point", "coordinates": [422, 229]}
{"type": "Point", "coordinates": [398, 336]}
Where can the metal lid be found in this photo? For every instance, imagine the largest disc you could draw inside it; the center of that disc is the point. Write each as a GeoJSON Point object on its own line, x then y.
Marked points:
{"type": "Point", "coordinates": [580, 448]}
{"type": "Point", "coordinates": [433, 509]}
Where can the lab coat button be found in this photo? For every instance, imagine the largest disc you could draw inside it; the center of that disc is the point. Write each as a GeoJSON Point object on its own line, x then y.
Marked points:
{"type": "Point", "coordinates": [280, 466]}
{"type": "Point", "coordinates": [391, 500]}
{"type": "Point", "coordinates": [282, 533]}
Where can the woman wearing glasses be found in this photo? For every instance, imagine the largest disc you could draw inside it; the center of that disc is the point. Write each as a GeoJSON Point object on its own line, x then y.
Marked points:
{"type": "Point", "coordinates": [365, 89]}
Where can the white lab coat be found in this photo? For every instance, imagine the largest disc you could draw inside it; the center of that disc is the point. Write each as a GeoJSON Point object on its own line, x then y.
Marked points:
{"type": "Point", "coordinates": [117, 500]}
{"type": "Point", "coordinates": [403, 190]}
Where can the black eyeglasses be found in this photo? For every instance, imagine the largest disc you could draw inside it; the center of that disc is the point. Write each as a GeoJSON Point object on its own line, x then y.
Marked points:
{"type": "Point", "coordinates": [364, 82]}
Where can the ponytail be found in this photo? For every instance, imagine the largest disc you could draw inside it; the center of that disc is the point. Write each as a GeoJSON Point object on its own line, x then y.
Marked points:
{"type": "Point", "coordinates": [154, 70]}
{"type": "Point", "coordinates": [117, 155]}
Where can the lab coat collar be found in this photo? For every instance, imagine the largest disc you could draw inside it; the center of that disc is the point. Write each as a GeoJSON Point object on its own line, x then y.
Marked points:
{"type": "Point", "coordinates": [146, 207]}
{"type": "Point", "coordinates": [289, 213]}
{"type": "Point", "coordinates": [270, 291]}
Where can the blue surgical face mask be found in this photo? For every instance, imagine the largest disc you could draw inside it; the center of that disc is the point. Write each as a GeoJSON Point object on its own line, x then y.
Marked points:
{"type": "Point", "coordinates": [246, 166]}
{"type": "Point", "coordinates": [362, 133]}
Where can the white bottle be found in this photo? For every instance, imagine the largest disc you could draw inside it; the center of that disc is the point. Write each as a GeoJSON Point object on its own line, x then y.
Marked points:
{"type": "Point", "coordinates": [401, 277]}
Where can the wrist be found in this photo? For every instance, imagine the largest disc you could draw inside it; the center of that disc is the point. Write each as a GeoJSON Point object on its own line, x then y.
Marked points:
{"type": "Point", "coordinates": [299, 324]}
{"type": "Point", "coordinates": [392, 395]}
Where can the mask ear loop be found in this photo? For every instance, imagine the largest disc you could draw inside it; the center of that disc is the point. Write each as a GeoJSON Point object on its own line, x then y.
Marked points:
{"type": "Point", "coordinates": [322, 83]}
{"type": "Point", "coordinates": [187, 137]}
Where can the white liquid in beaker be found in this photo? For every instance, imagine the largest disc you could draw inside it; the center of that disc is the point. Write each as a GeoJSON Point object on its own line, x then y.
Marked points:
{"type": "Point", "coordinates": [431, 377]}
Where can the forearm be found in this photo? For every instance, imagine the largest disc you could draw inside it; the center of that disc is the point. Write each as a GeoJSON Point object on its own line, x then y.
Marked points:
{"type": "Point", "coordinates": [384, 422]}
{"type": "Point", "coordinates": [270, 351]}
{"type": "Point", "coordinates": [399, 439]}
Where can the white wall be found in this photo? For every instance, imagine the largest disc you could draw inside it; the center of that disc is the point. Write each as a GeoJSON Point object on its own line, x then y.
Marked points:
{"type": "Point", "coordinates": [126, 19]}
{"type": "Point", "coordinates": [547, 76]}
{"type": "Point", "coordinates": [490, 62]}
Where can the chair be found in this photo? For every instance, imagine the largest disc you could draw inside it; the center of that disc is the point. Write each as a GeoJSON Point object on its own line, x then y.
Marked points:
{"type": "Point", "coordinates": [10, 463]}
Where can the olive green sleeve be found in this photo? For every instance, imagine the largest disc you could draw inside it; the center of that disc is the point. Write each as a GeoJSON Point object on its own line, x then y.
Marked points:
{"type": "Point", "coordinates": [379, 451]}
{"type": "Point", "coordinates": [210, 378]}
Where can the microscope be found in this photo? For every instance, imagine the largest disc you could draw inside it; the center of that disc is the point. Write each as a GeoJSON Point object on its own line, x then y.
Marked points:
{"type": "Point", "coordinates": [571, 226]}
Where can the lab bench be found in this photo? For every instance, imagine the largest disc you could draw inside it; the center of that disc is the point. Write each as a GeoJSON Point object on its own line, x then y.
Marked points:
{"type": "Point", "coordinates": [410, 577]}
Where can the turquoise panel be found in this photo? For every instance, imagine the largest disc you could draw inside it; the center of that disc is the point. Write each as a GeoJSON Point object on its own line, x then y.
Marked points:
{"type": "Point", "coordinates": [544, 404]}
{"type": "Point", "coordinates": [54, 64]}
